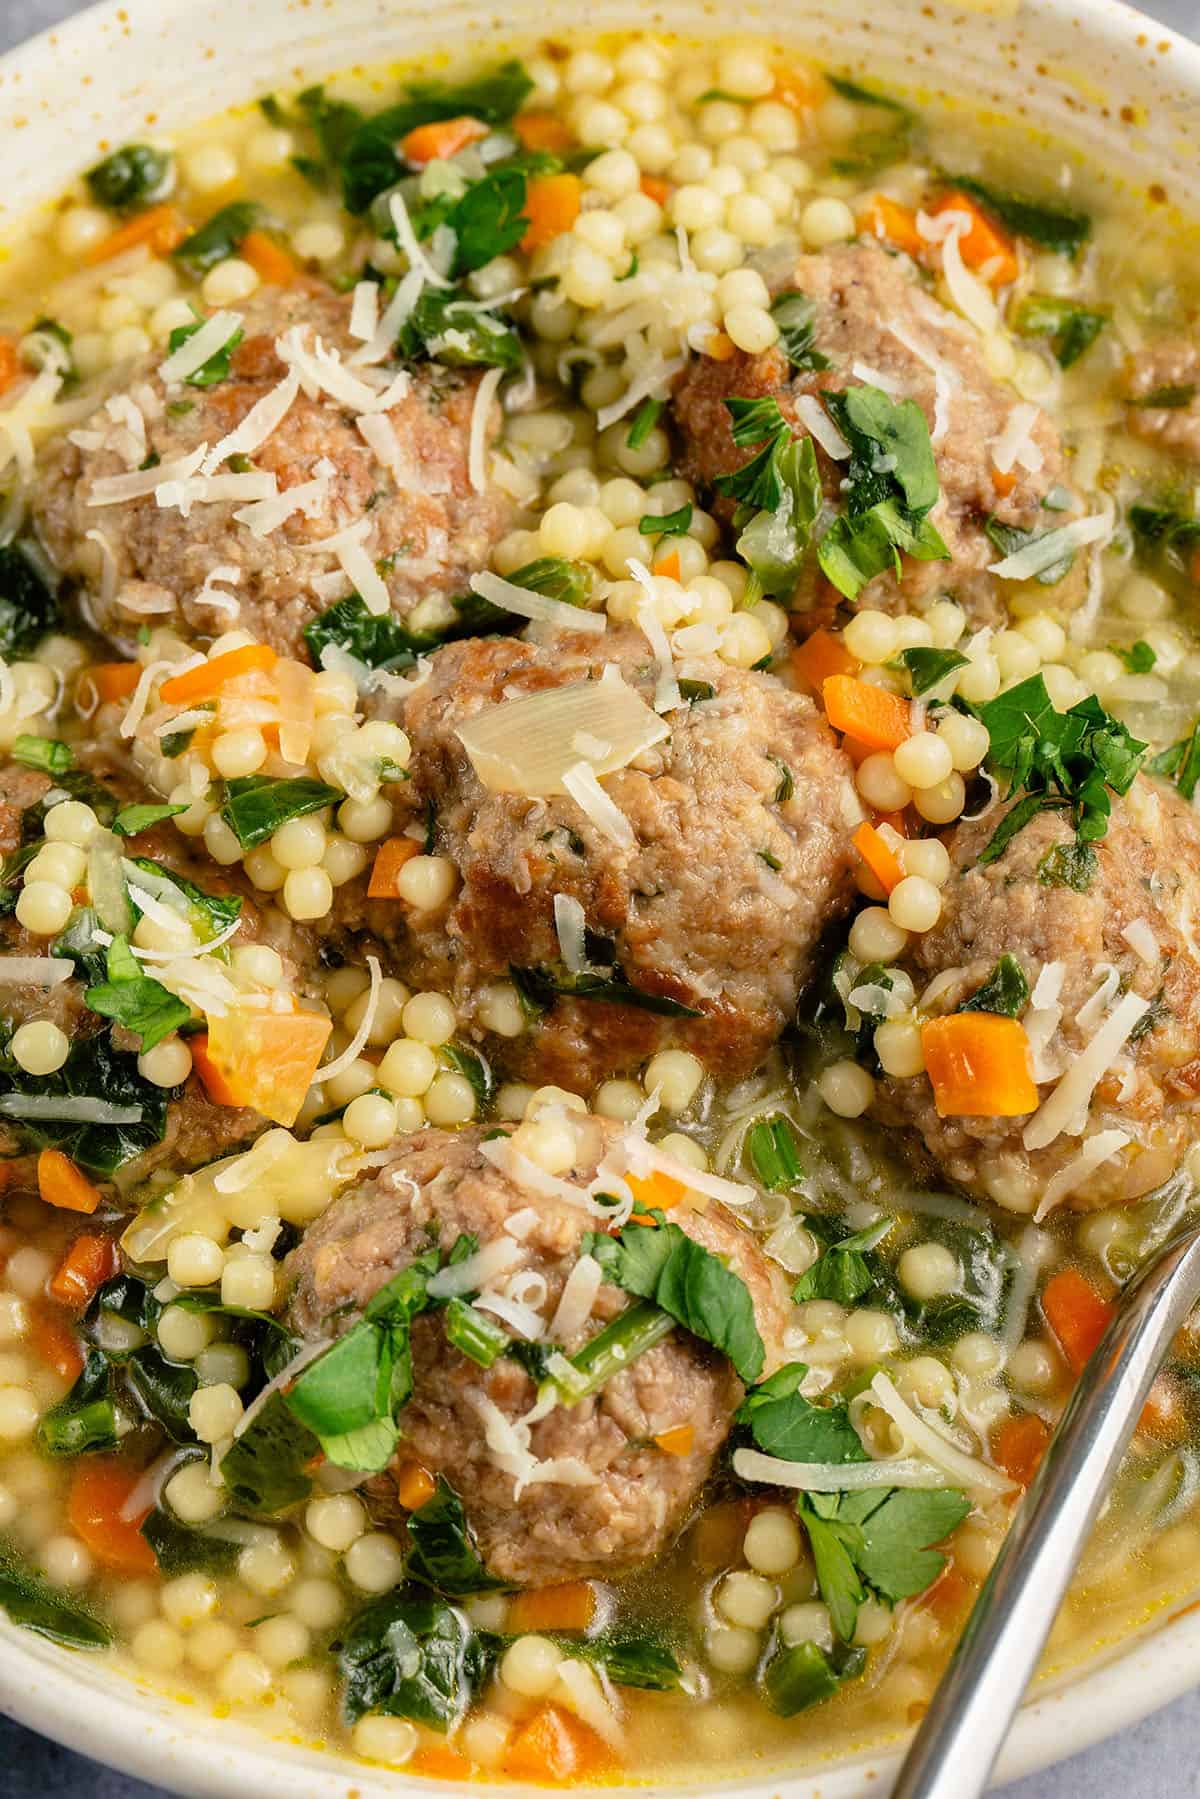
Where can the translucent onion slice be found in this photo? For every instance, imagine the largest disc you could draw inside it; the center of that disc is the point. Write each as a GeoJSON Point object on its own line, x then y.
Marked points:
{"type": "Point", "coordinates": [835, 1477]}
{"type": "Point", "coordinates": [529, 745]}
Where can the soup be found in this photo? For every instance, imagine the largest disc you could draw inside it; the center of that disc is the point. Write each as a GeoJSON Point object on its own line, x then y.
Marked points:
{"type": "Point", "coordinates": [599, 730]}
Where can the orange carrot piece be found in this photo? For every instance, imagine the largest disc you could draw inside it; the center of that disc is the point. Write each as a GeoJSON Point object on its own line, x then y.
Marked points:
{"type": "Point", "coordinates": [554, 1747]}
{"type": "Point", "coordinates": [10, 363]}
{"type": "Point", "coordinates": [270, 262]}
{"type": "Point", "coordinates": [571, 1606]}
{"type": "Point", "coordinates": [61, 1184]}
{"type": "Point", "coordinates": [266, 1060]}
{"type": "Point", "coordinates": [1077, 1314]}
{"type": "Point", "coordinates": [947, 1597]}
{"type": "Point", "coordinates": [216, 1088]}
{"type": "Point", "coordinates": [719, 347]}
{"type": "Point", "coordinates": [895, 821]}
{"type": "Point", "coordinates": [208, 678]}
{"type": "Point", "coordinates": [88, 1263]}
{"type": "Point", "coordinates": [161, 228]}
{"type": "Point", "coordinates": [542, 131]}
{"type": "Point", "coordinates": [1019, 1444]}
{"type": "Point", "coordinates": [871, 715]}
{"type": "Point", "coordinates": [113, 680]}
{"type": "Point", "coordinates": [655, 188]}
{"type": "Point", "coordinates": [978, 1065]}
{"type": "Point", "coordinates": [986, 245]}
{"type": "Point", "coordinates": [100, 1492]}
{"type": "Point", "coordinates": [656, 1191]}
{"type": "Point", "coordinates": [799, 88]}
{"type": "Point", "coordinates": [819, 656]}
{"type": "Point", "coordinates": [1164, 1414]}
{"type": "Point", "coordinates": [1003, 482]}
{"type": "Point", "coordinates": [390, 858]}
{"type": "Point", "coordinates": [552, 207]}
{"type": "Point", "coordinates": [54, 1342]}
{"type": "Point", "coordinates": [676, 1441]}
{"type": "Point", "coordinates": [669, 565]}
{"type": "Point", "coordinates": [442, 138]}
{"type": "Point", "coordinates": [879, 856]}
{"type": "Point", "coordinates": [415, 1486]}
{"type": "Point", "coordinates": [441, 1762]}
{"type": "Point", "coordinates": [893, 223]}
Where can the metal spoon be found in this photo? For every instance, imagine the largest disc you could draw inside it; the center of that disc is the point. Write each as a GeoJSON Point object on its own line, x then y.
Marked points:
{"type": "Point", "coordinates": [954, 1751]}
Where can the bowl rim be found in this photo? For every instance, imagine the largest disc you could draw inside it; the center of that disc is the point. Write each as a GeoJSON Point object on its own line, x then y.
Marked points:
{"type": "Point", "coordinates": [114, 1718]}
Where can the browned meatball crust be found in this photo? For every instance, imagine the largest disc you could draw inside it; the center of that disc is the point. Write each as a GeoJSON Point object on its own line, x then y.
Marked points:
{"type": "Point", "coordinates": [438, 1185]}
{"type": "Point", "coordinates": [695, 912]}
{"type": "Point", "coordinates": [1147, 885]}
{"type": "Point", "coordinates": [429, 530]}
{"type": "Point", "coordinates": [869, 314]}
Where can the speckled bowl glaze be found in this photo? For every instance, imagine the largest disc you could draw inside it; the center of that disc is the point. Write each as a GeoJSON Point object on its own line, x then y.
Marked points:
{"type": "Point", "coordinates": [1103, 83]}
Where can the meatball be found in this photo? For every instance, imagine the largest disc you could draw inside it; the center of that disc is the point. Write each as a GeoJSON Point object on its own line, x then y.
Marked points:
{"type": "Point", "coordinates": [424, 525]}
{"type": "Point", "coordinates": [742, 856]}
{"type": "Point", "coordinates": [875, 323]}
{"type": "Point", "coordinates": [1168, 372]}
{"type": "Point", "coordinates": [1129, 932]}
{"type": "Point", "coordinates": [196, 1130]}
{"type": "Point", "coordinates": [437, 1185]}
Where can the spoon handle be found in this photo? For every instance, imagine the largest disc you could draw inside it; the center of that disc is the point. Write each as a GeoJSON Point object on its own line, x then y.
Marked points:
{"type": "Point", "coordinates": [955, 1748]}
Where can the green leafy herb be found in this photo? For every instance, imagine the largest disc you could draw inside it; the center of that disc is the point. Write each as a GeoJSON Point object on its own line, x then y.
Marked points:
{"type": "Point", "coordinates": [878, 1542]}
{"type": "Point", "coordinates": [666, 524]}
{"type": "Point", "coordinates": [1054, 228]}
{"type": "Point", "coordinates": [43, 753]}
{"type": "Point", "coordinates": [774, 1155]}
{"type": "Point", "coordinates": [130, 178]}
{"type": "Point", "coordinates": [847, 1270]}
{"type": "Point", "coordinates": [80, 942]}
{"type": "Point", "coordinates": [164, 1389]}
{"type": "Point", "coordinates": [886, 512]}
{"type": "Point", "coordinates": [695, 691]}
{"type": "Point", "coordinates": [409, 1655]}
{"type": "Point", "coordinates": [864, 96]}
{"type": "Point", "coordinates": [448, 327]}
{"type": "Point", "coordinates": [539, 988]}
{"type": "Point", "coordinates": [1139, 658]}
{"type": "Point", "coordinates": [208, 913]}
{"type": "Point", "coordinates": [256, 805]}
{"type": "Point", "coordinates": [132, 820]}
{"type": "Point", "coordinates": [644, 421]}
{"type": "Point", "coordinates": [1071, 328]}
{"type": "Point", "coordinates": [783, 1423]}
{"type": "Point", "coordinates": [35, 1605]}
{"type": "Point", "coordinates": [135, 1001]}
{"type": "Point", "coordinates": [333, 124]}
{"type": "Point", "coordinates": [85, 1418]}
{"type": "Point", "coordinates": [92, 1070]}
{"type": "Point", "coordinates": [443, 1553]}
{"type": "Point", "coordinates": [875, 147]}
{"type": "Point", "coordinates": [928, 668]}
{"type": "Point", "coordinates": [689, 1283]}
{"type": "Point", "coordinates": [28, 604]}
{"type": "Point", "coordinates": [1072, 760]}
{"type": "Point", "coordinates": [1167, 399]}
{"type": "Point", "coordinates": [489, 218]}
{"type": "Point", "coordinates": [1009, 539]}
{"type": "Point", "coordinates": [179, 1549]}
{"type": "Point", "coordinates": [471, 1065]}
{"type": "Point", "coordinates": [1005, 992]}
{"type": "Point", "coordinates": [804, 1675]}
{"type": "Point", "coordinates": [263, 1469]}
{"type": "Point", "coordinates": [219, 364]}
{"type": "Point", "coordinates": [370, 157]}
{"type": "Point", "coordinates": [795, 314]}
{"type": "Point", "coordinates": [779, 494]}
{"type": "Point", "coordinates": [1180, 763]}
{"type": "Point", "coordinates": [1073, 865]}
{"type": "Point", "coordinates": [218, 238]}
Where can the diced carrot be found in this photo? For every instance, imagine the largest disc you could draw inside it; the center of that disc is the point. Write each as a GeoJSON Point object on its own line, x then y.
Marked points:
{"type": "Point", "coordinates": [270, 262]}
{"type": "Point", "coordinates": [656, 1191]}
{"type": "Point", "coordinates": [208, 678]}
{"type": "Point", "coordinates": [669, 565]}
{"type": "Point", "coordinates": [821, 655]}
{"type": "Point", "coordinates": [1077, 1314]}
{"type": "Point", "coordinates": [415, 1486]}
{"type": "Point", "coordinates": [161, 228]}
{"type": "Point", "coordinates": [390, 858]}
{"type": "Point", "coordinates": [978, 1064]}
{"type": "Point", "coordinates": [879, 857]}
{"type": "Point", "coordinates": [100, 1492]}
{"type": "Point", "coordinates": [869, 714]}
{"type": "Point", "coordinates": [112, 680]}
{"type": "Point", "coordinates": [1019, 1444]}
{"type": "Point", "coordinates": [676, 1441]}
{"type": "Point", "coordinates": [61, 1184]}
{"type": "Point", "coordinates": [554, 1747]}
{"type": "Point", "coordinates": [542, 131]}
{"type": "Point", "coordinates": [985, 246]}
{"type": "Point", "coordinates": [1164, 1414]}
{"type": "Point", "coordinates": [895, 821]}
{"type": "Point", "coordinates": [443, 138]}
{"type": "Point", "coordinates": [265, 1060]}
{"type": "Point", "coordinates": [552, 207]}
{"type": "Point", "coordinates": [1003, 481]}
{"type": "Point", "coordinates": [441, 1762]}
{"type": "Point", "coordinates": [894, 224]}
{"type": "Point", "coordinates": [10, 363]}
{"type": "Point", "coordinates": [799, 88]}
{"type": "Point", "coordinates": [947, 1597]}
{"type": "Point", "coordinates": [54, 1342]}
{"type": "Point", "coordinates": [717, 1537]}
{"type": "Point", "coordinates": [655, 188]}
{"type": "Point", "coordinates": [719, 347]}
{"type": "Point", "coordinates": [216, 1088]}
{"type": "Point", "coordinates": [571, 1606]}
{"type": "Point", "coordinates": [88, 1263]}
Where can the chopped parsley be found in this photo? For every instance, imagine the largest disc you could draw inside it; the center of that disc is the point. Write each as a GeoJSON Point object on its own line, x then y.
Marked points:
{"type": "Point", "coordinates": [1005, 992]}
{"type": "Point", "coordinates": [892, 485]}
{"type": "Point", "coordinates": [219, 364]}
{"type": "Point", "coordinates": [778, 493]}
{"type": "Point", "coordinates": [1180, 763]}
{"type": "Point", "coordinates": [795, 314]}
{"type": "Point", "coordinates": [1071, 329]}
{"type": "Point", "coordinates": [843, 1272]}
{"type": "Point", "coordinates": [134, 1000]}
{"type": "Point", "coordinates": [130, 178]}
{"type": "Point", "coordinates": [644, 421]}
{"type": "Point", "coordinates": [666, 524]}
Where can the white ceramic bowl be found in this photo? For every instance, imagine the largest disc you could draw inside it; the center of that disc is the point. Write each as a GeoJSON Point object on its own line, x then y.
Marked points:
{"type": "Point", "coordinates": [1118, 88]}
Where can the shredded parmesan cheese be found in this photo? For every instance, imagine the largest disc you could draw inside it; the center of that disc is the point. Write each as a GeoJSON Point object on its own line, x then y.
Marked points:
{"type": "Point", "coordinates": [1043, 552]}
{"type": "Point", "coordinates": [1066, 1108]}
{"type": "Point", "coordinates": [817, 422]}
{"type": "Point", "coordinates": [526, 604]}
{"type": "Point", "coordinates": [406, 238]}
{"type": "Point", "coordinates": [835, 1477]}
{"type": "Point", "coordinates": [260, 423]}
{"type": "Point", "coordinates": [577, 1299]}
{"type": "Point", "coordinates": [1139, 935]}
{"type": "Point", "coordinates": [1097, 1149]}
{"type": "Point", "coordinates": [362, 1035]}
{"type": "Point", "coordinates": [581, 783]}
{"type": "Point", "coordinates": [489, 1264]}
{"type": "Point", "coordinates": [966, 1470]}
{"type": "Point", "coordinates": [570, 925]}
{"type": "Point", "coordinates": [200, 347]}
{"type": "Point", "coordinates": [485, 395]}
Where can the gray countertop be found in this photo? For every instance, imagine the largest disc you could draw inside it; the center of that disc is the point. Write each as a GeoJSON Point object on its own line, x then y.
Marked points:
{"type": "Point", "coordinates": [1160, 1756]}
